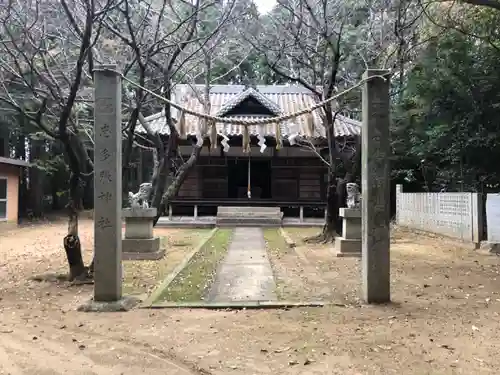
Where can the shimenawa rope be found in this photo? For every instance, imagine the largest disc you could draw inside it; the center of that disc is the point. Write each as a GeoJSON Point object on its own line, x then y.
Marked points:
{"type": "Point", "coordinates": [245, 122]}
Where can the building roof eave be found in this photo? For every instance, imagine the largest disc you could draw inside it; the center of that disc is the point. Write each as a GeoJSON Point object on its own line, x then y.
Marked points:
{"type": "Point", "coordinates": [14, 162]}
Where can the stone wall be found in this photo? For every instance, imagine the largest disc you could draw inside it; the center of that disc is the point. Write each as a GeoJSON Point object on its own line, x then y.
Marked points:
{"type": "Point", "coordinates": [457, 215]}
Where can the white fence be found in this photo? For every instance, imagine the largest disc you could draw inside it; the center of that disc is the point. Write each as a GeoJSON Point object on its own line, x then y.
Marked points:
{"type": "Point", "coordinates": [493, 217]}
{"type": "Point", "coordinates": [457, 215]}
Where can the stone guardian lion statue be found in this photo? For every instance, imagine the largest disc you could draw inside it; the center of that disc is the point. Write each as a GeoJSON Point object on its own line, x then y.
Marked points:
{"type": "Point", "coordinates": [141, 198]}
{"type": "Point", "coordinates": [353, 195]}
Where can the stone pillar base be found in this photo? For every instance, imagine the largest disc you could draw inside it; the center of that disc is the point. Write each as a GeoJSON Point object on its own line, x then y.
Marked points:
{"type": "Point", "coordinates": [347, 247]}
{"type": "Point", "coordinates": [351, 223]}
{"type": "Point", "coordinates": [142, 249]}
{"type": "Point", "coordinates": [139, 243]}
{"type": "Point", "coordinates": [139, 222]}
{"type": "Point", "coordinates": [124, 304]}
{"type": "Point", "coordinates": [350, 244]}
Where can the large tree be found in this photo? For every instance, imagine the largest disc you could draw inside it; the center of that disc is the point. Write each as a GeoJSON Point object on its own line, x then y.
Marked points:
{"type": "Point", "coordinates": [445, 131]}
{"type": "Point", "coordinates": [47, 57]}
{"type": "Point", "coordinates": [49, 50]}
{"type": "Point", "coordinates": [166, 54]}
{"type": "Point", "coordinates": [325, 46]}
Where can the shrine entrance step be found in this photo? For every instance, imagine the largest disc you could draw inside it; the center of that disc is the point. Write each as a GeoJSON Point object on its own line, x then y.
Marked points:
{"type": "Point", "coordinates": [231, 216]}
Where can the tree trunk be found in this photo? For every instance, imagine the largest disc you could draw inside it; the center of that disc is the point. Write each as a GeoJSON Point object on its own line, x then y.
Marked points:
{"type": "Point", "coordinates": [88, 193]}
{"type": "Point", "coordinates": [58, 179]}
{"type": "Point", "coordinates": [128, 153]}
{"type": "Point", "coordinates": [337, 196]}
{"type": "Point", "coordinates": [177, 182]}
{"type": "Point", "coordinates": [88, 189]}
{"type": "Point", "coordinates": [331, 226]}
{"type": "Point", "coordinates": [159, 184]}
{"type": "Point", "coordinates": [37, 177]}
{"type": "Point", "coordinates": [55, 193]}
{"type": "Point", "coordinates": [330, 229]}
{"type": "Point", "coordinates": [75, 150]}
{"type": "Point", "coordinates": [72, 245]}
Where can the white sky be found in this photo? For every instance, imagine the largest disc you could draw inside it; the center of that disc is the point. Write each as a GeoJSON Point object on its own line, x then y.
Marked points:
{"type": "Point", "coordinates": [264, 6]}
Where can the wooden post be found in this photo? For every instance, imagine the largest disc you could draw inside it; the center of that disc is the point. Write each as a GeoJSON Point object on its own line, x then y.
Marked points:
{"type": "Point", "coordinates": [375, 177]}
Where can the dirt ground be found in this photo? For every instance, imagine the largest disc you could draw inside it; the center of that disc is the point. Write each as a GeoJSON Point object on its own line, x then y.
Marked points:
{"type": "Point", "coordinates": [444, 319]}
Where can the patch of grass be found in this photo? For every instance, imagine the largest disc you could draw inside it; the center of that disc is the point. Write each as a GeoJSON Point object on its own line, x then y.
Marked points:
{"type": "Point", "coordinates": [275, 241]}
{"type": "Point", "coordinates": [276, 247]}
{"type": "Point", "coordinates": [142, 276]}
{"type": "Point", "coordinates": [194, 281]}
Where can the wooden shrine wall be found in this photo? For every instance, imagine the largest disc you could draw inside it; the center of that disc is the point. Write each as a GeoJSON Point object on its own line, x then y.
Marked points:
{"type": "Point", "coordinates": [297, 179]}
{"type": "Point", "coordinates": [192, 186]}
{"type": "Point", "coordinates": [292, 179]}
{"type": "Point", "coordinates": [214, 175]}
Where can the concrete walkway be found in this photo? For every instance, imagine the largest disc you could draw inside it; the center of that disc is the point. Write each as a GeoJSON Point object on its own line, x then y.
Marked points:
{"type": "Point", "coordinates": [245, 274]}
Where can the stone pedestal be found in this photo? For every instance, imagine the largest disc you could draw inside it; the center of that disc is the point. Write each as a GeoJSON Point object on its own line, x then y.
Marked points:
{"type": "Point", "coordinates": [139, 243]}
{"type": "Point", "coordinates": [349, 245]}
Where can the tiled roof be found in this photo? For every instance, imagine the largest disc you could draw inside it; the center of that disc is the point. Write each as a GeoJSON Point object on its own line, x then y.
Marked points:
{"type": "Point", "coordinates": [250, 92]}
{"type": "Point", "coordinates": [277, 99]}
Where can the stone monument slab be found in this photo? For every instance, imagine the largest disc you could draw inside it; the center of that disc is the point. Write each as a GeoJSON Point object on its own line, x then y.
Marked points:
{"type": "Point", "coordinates": [375, 187]}
{"type": "Point", "coordinates": [107, 185]}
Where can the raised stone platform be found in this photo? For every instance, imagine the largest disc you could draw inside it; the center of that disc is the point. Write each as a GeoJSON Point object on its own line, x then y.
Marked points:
{"type": "Point", "coordinates": [139, 242]}
{"type": "Point", "coordinates": [142, 249]}
{"type": "Point", "coordinates": [349, 245]}
{"type": "Point", "coordinates": [209, 222]}
{"type": "Point", "coordinates": [248, 217]}
{"type": "Point", "coordinates": [139, 222]}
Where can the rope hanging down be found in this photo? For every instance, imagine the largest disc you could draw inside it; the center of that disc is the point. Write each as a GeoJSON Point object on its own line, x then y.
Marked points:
{"type": "Point", "coordinates": [246, 122]}
{"type": "Point", "coordinates": [249, 179]}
